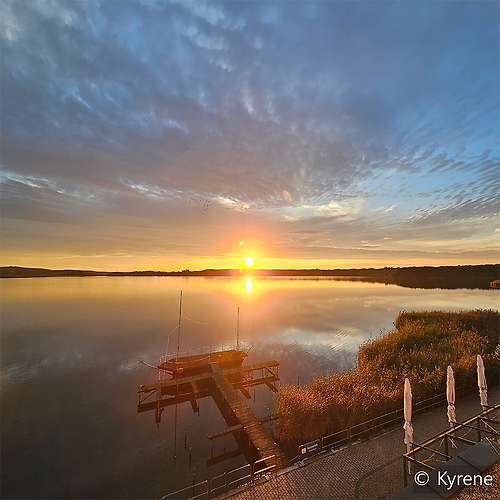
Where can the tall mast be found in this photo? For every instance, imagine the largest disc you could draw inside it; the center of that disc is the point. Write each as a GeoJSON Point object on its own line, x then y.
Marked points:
{"type": "Point", "coordinates": [179, 328]}
{"type": "Point", "coordinates": [238, 333]}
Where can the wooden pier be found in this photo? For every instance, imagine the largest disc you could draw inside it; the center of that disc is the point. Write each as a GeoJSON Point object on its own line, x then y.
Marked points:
{"type": "Point", "coordinates": [252, 427]}
{"type": "Point", "coordinates": [221, 376]}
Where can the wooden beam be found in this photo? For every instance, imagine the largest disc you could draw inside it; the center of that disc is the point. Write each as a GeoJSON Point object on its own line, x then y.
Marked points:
{"type": "Point", "coordinates": [245, 392]}
{"type": "Point", "coordinates": [169, 401]}
{"type": "Point", "coordinates": [229, 430]}
{"type": "Point", "coordinates": [240, 427]}
{"type": "Point", "coordinates": [271, 418]}
{"type": "Point", "coordinates": [184, 380]}
{"type": "Point", "coordinates": [255, 381]}
{"type": "Point", "coordinates": [271, 386]}
{"type": "Point", "coordinates": [260, 366]}
{"type": "Point", "coordinates": [194, 404]}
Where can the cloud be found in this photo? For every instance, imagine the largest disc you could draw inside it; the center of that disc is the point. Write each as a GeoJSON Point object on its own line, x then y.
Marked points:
{"type": "Point", "coordinates": [370, 117]}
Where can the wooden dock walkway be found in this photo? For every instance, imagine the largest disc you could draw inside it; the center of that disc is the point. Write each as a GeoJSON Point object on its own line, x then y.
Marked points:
{"type": "Point", "coordinates": [262, 441]}
{"type": "Point", "coordinates": [222, 376]}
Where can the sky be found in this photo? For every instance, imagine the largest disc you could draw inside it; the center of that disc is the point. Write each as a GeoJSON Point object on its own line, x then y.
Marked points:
{"type": "Point", "coordinates": [188, 135]}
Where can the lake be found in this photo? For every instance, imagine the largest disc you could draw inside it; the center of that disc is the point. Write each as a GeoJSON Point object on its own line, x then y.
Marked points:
{"type": "Point", "coordinates": [71, 352]}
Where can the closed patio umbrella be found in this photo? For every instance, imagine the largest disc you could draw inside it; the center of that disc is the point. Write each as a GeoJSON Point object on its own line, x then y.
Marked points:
{"type": "Point", "coordinates": [450, 396]}
{"type": "Point", "coordinates": [481, 382]}
{"type": "Point", "coordinates": [407, 411]}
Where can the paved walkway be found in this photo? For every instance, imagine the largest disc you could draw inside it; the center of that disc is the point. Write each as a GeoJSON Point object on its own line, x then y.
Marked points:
{"type": "Point", "coordinates": [483, 492]}
{"type": "Point", "coordinates": [335, 475]}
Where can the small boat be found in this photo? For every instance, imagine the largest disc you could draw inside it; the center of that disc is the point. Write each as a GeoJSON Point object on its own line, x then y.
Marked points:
{"type": "Point", "coordinates": [196, 365]}
{"type": "Point", "coordinates": [186, 366]}
{"type": "Point", "coordinates": [495, 284]}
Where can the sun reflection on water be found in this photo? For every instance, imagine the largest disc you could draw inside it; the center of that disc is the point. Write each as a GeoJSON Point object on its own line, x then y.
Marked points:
{"type": "Point", "coordinates": [249, 285]}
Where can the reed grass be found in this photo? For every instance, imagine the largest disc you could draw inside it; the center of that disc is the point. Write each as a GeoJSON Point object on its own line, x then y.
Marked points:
{"type": "Point", "coordinates": [421, 347]}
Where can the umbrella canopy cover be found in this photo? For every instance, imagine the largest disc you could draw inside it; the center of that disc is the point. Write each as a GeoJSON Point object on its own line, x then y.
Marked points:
{"type": "Point", "coordinates": [450, 395]}
{"type": "Point", "coordinates": [407, 411]}
{"type": "Point", "coordinates": [481, 381]}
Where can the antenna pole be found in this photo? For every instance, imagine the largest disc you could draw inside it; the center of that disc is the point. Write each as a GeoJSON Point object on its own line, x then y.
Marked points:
{"type": "Point", "coordinates": [238, 333]}
{"type": "Point", "coordinates": [179, 329]}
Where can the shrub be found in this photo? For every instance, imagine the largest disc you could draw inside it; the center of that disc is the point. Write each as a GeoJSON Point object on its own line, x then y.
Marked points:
{"type": "Point", "coordinates": [420, 348]}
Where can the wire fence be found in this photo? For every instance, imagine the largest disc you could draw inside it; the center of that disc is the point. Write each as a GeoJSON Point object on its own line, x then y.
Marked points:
{"type": "Point", "coordinates": [217, 485]}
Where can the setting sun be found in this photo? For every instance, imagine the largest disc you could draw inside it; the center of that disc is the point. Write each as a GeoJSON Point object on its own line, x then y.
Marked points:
{"type": "Point", "coordinates": [248, 261]}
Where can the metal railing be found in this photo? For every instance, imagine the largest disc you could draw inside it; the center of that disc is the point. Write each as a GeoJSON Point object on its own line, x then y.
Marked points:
{"type": "Point", "coordinates": [210, 488]}
{"type": "Point", "coordinates": [389, 420]}
{"type": "Point", "coordinates": [392, 467]}
{"type": "Point", "coordinates": [193, 352]}
{"type": "Point", "coordinates": [467, 433]}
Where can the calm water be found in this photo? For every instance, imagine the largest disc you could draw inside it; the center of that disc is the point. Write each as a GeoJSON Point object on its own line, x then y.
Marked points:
{"type": "Point", "coordinates": [71, 352]}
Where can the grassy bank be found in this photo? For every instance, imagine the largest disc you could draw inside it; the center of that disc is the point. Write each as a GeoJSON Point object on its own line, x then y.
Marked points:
{"type": "Point", "coordinates": [420, 347]}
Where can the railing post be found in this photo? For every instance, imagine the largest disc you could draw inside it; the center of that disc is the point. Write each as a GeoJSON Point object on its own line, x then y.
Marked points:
{"type": "Point", "coordinates": [405, 473]}
{"type": "Point", "coordinates": [478, 429]}
{"type": "Point", "coordinates": [446, 444]}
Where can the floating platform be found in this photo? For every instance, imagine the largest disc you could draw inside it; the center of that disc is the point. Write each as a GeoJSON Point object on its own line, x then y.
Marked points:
{"type": "Point", "coordinates": [222, 376]}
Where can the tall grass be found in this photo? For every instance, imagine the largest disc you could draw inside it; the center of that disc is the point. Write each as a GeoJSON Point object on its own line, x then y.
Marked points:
{"type": "Point", "coordinates": [421, 347]}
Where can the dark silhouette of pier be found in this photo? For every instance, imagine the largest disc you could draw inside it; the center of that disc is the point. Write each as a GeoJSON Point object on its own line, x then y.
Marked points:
{"type": "Point", "coordinates": [222, 376]}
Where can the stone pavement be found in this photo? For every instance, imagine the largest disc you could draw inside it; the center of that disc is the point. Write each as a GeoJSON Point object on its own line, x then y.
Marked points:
{"type": "Point", "coordinates": [369, 470]}
{"type": "Point", "coordinates": [483, 492]}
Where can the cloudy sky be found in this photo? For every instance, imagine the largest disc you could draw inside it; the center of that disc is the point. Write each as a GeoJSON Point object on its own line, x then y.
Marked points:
{"type": "Point", "coordinates": [179, 134]}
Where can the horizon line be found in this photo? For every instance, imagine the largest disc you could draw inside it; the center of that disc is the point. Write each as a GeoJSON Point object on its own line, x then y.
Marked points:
{"type": "Point", "coordinates": [250, 269]}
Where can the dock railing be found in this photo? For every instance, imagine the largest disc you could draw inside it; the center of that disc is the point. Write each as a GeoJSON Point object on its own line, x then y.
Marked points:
{"type": "Point", "coordinates": [194, 352]}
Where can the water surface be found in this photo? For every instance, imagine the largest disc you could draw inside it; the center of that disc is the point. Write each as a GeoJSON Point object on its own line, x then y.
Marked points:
{"type": "Point", "coordinates": [71, 352]}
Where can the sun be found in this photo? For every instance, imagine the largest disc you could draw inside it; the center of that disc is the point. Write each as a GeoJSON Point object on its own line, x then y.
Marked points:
{"type": "Point", "coordinates": [248, 261]}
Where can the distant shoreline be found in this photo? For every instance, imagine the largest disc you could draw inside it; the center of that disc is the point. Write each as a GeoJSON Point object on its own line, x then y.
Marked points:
{"type": "Point", "coordinates": [479, 276]}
